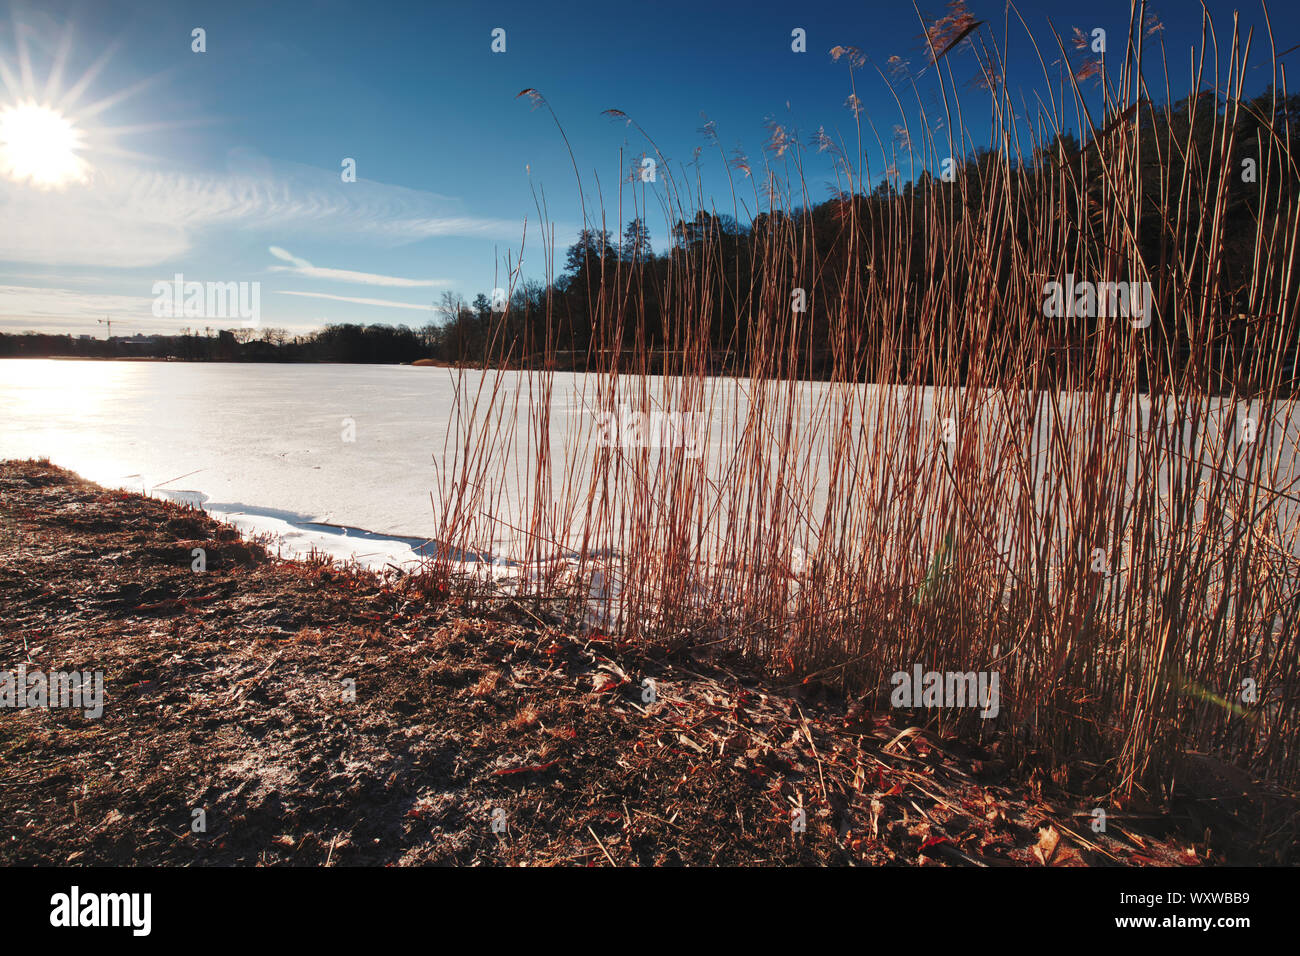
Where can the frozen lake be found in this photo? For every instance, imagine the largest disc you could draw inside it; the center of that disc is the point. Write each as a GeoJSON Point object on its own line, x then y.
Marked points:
{"type": "Point", "coordinates": [263, 445]}
{"type": "Point", "coordinates": [344, 457]}
{"type": "Point", "coordinates": [336, 457]}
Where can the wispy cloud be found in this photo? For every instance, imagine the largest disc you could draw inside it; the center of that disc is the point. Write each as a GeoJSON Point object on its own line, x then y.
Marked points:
{"type": "Point", "coordinates": [51, 309]}
{"type": "Point", "coordinates": [389, 303]}
{"type": "Point", "coordinates": [129, 217]}
{"type": "Point", "coordinates": [302, 267]}
{"type": "Point", "coordinates": [24, 307]}
{"type": "Point", "coordinates": [22, 302]}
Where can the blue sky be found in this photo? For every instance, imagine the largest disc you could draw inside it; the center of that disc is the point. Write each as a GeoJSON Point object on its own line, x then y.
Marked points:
{"type": "Point", "coordinates": [225, 165]}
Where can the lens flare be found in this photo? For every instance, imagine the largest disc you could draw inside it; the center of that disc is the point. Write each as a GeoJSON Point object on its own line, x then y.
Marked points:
{"type": "Point", "coordinates": [39, 145]}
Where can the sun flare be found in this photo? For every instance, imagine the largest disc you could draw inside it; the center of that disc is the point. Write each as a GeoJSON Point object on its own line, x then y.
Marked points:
{"type": "Point", "coordinates": [39, 145]}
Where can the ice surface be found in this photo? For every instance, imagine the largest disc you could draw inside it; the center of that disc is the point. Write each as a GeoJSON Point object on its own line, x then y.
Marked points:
{"type": "Point", "coordinates": [343, 458]}
{"type": "Point", "coordinates": [261, 445]}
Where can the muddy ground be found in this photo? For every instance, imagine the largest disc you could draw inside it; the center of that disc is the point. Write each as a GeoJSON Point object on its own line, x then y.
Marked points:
{"type": "Point", "coordinates": [269, 712]}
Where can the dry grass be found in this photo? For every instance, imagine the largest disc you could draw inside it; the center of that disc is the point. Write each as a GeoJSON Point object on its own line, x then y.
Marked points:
{"type": "Point", "coordinates": [1098, 531]}
{"type": "Point", "coordinates": [486, 684]}
{"type": "Point", "coordinates": [526, 717]}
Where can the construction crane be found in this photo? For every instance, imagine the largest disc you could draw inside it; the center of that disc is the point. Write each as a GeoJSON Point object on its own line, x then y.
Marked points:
{"type": "Point", "coordinates": [106, 321]}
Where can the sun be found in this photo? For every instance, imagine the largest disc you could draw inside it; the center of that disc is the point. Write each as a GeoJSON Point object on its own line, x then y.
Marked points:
{"type": "Point", "coordinates": [40, 145]}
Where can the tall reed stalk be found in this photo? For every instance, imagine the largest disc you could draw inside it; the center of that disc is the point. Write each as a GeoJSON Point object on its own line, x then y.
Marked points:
{"type": "Point", "coordinates": [1100, 530]}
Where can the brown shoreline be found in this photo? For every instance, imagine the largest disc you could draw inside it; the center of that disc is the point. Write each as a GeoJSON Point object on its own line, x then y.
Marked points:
{"type": "Point", "coordinates": [224, 691]}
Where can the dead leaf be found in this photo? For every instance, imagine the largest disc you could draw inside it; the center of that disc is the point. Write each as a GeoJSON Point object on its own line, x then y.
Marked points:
{"type": "Point", "coordinates": [1048, 839]}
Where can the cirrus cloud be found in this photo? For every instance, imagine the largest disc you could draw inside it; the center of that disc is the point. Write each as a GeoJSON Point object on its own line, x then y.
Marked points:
{"type": "Point", "coordinates": [301, 267]}
{"type": "Point", "coordinates": [356, 300]}
{"type": "Point", "coordinates": [130, 217]}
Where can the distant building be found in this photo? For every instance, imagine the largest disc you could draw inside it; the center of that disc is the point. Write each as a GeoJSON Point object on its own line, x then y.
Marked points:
{"type": "Point", "coordinates": [135, 342]}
